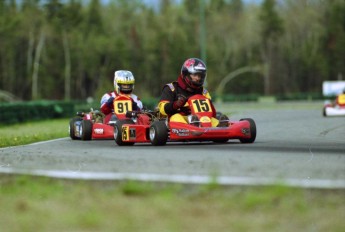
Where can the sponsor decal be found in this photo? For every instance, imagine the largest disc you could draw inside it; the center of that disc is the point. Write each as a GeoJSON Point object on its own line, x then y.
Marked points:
{"type": "Point", "coordinates": [180, 132]}
{"type": "Point", "coordinates": [98, 131]}
{"type": "Point", "coordinates": [125, 131]}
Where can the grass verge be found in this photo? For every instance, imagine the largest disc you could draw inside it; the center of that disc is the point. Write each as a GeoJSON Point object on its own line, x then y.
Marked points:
{"type": "Point", "coordinates": [44, 204]}
{"type": "Point", "coordinates": [30, 132]}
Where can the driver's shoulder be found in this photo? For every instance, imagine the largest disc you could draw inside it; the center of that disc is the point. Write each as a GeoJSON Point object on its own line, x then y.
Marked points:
{"type": "Point", "coordinates": [206, 93]}
{"type": "Point", "coordinates": [172, 86]}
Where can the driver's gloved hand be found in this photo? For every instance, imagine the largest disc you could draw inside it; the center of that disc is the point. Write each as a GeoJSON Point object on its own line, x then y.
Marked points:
{"type": "Point", "coordinates": [180, 102]}
{"type": "Point", "coordinates": [131, 114]}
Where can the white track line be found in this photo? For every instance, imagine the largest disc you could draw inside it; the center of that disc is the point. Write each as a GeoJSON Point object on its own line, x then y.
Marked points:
{"type": "Point", "coordinates": [183, 179]}
{"type": "Point", "coordinates": [47, 141]}
{"type": "Point", "coordinates": [30, 144]}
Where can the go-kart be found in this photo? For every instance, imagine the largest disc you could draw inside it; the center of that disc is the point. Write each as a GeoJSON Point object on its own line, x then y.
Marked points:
{"type": "Point", "coordinates": [87, 126]}
{"type": "Point", "coordinates": [135, 127]}
{"type": "Point", "coordinates": [95, 125]}
{"type": "Point", "coordinates": [160, 130]}
{"type": "Point", "coordinates": [333, 109]}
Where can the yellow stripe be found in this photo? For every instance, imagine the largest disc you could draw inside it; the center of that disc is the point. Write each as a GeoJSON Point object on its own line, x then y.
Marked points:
{"type": "Point", "coordinates": [161, 107]}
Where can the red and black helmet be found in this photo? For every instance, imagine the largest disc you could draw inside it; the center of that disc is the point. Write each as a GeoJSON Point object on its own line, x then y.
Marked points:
{"type": "Point", "coordinates": [193, 66]}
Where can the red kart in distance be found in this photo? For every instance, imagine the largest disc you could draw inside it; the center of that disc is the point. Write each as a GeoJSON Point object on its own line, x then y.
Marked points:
{"type": "Point", "coordinates": [95, 125]}
{"type": "Point", "coordinates": [161, 130]}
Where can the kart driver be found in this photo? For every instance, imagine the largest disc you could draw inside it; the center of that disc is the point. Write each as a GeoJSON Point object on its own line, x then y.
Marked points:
{"type": "Point", "coordinates": [123, 85]}
{"type": "Point", "coordinates": [173, 101]}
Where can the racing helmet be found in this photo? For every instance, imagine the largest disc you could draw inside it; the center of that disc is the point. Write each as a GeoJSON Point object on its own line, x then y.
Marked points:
{"type": "Point", "coordinates": [124, 81]}
{"type": "Point", "coordinates": [193, 66]}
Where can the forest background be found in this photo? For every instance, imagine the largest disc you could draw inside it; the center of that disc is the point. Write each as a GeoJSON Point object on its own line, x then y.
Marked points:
{"type": "Point", "coordinates": [69, 50]}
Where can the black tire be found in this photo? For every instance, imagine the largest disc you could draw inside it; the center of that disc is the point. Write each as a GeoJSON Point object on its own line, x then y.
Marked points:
{"type": "Point", "coordinates": [118, 132]}
{"type": "Point", "coordinates": [86, 130]}
{"type": "Point", "coordinates": [72, 127]}
{"type": "Point", "coordinates": [324, 112]}
{"type": "Point", "coordinates": [158, 133]}
{"type": "Point", "coordinates": [252, 131]}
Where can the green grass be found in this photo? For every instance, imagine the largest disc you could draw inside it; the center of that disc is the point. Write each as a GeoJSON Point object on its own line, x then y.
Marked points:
{"type": "Point", "coordinates": [30, 132]}
{"type": "Point", "coordinates": [29, 203]}
{"type": "Point", "coordinates": [44, 204]}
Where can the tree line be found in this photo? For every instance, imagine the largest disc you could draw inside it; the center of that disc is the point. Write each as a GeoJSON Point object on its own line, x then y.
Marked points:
{"type": "Point", "coordinates": [69, 49]}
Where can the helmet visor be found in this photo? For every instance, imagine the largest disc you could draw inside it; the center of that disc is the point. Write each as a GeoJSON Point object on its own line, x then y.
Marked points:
{"type": "Point", "coordinates": [126, 88]}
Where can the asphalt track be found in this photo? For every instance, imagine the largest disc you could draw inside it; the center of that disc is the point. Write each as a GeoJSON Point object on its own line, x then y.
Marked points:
{"type": "Point", "coordinates": [295, 145]}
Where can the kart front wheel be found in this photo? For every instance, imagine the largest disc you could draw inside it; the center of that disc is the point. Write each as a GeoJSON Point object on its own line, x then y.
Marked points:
{"type": "Point", "coordinates": [118, 132]}
{"type": "Point", "coordinates": [72, 127]}
{"type": "Point", "coordinates": [158, 133]}
{"type": "Point", "coordinates": [86, 130]}
{"type": "Point", "coordinates": [252, 128]}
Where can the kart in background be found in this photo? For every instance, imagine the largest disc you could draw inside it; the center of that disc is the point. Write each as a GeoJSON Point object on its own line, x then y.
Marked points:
{"type": "Point", "coordinates": [333, 109]}
{"type": "Point", "coordinates": [87, 126]}
{"type": "Point", "coordinates": [95, 125]}
{"type": "Point", "coordinates": [160, 130]}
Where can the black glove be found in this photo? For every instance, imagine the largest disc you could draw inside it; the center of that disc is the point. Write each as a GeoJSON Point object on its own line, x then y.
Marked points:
{"type": "Point", "coordinates": [110, 101]}
{"type": "Point", "coordinates": [131, 114]}
{"type": "Point", "coordinates": [181, 100]}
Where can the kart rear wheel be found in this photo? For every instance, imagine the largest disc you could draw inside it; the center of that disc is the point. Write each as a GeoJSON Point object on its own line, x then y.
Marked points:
{"type": "Point", "coordinates": [72, 127]}
{"type": "Point", "coordinates": [252, 131]}
{"type": "Point", "coordinates": [118, 132]}
{"type": "Point", "coordinates": [158, 133]}
{"type": "Point", "coordinates": [86, 130]}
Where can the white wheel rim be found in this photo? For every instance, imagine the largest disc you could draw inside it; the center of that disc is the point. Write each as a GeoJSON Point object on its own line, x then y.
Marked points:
{"type": "Point", "coordinates": [115, 132]}
{"type": "Point", "coordinates": [152, 133]}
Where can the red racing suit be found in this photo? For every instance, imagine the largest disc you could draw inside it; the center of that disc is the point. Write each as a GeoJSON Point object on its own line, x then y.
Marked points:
{"type": "Point", "coordinates": [107, 106]}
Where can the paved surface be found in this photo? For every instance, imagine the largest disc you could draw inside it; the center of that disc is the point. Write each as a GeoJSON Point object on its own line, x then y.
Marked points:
{"type": "Point", "coordinates": [295, 144]}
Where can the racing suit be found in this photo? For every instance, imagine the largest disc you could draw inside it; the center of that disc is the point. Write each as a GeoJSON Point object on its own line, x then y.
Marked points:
{"type": "Point", "coordinates": [171, 93]}
{"type": "Point", "coordinates": [107, 106]}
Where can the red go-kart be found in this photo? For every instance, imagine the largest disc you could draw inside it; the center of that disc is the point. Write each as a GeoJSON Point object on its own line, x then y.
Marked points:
{"type": "Point", "coordinates": [159, 131]}
{"type": "Point", "coordinates": [95, 125]}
